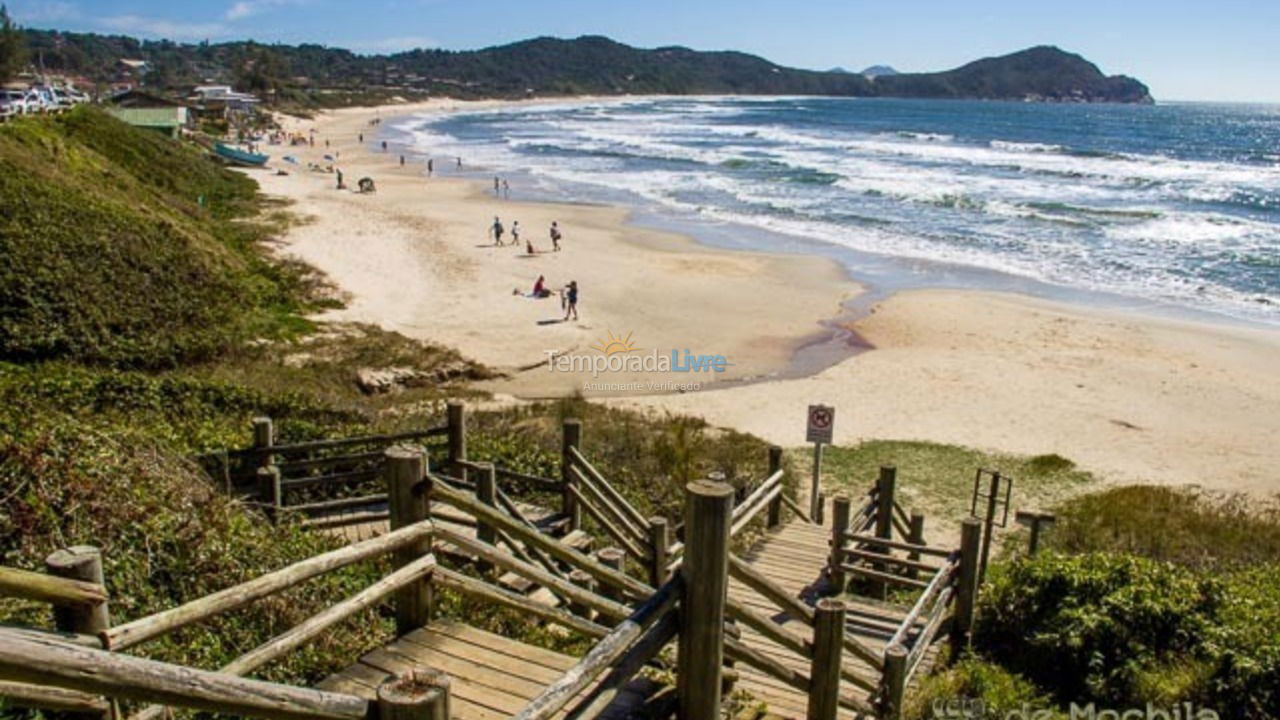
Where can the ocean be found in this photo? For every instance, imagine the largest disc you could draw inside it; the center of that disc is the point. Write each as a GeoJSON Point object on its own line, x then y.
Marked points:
{"type": "Point", "coordinates": [1173, 207]}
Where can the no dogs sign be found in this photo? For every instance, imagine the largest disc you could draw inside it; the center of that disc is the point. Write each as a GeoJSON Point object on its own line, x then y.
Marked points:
{"type": "Point", "coordinates": [821, 419]}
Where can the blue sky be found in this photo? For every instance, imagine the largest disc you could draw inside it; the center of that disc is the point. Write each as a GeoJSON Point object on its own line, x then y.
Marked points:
{"type": "Point", "coordinates": [1184, 50]}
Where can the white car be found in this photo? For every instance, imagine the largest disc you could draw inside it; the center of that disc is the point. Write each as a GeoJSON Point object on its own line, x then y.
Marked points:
{"type": "Point", "coordinates": [13, 102]}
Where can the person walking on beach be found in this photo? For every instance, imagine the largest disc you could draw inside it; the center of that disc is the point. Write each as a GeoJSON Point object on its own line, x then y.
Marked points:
{"type": "Point", "coordinates": [340, 185]}
{"type": "Point", "coordinates": [506, 190]}
{"type": "Point", "coordinates": [401, 161]}
{"type": "Point", "coordinates": [515, 233]}
{"type": "Point", "coordinates": [496, 186]}
{"type": "Point", "coordinates": [361, 136]}
{"type": "Point", "coordinates": [384, 146]}
{"type": "Point", "coordinates": [497, 231]}
{"type": "Point", "coordinates": [555, 236]}
{"type": "Point", "coordinates": [571, 300]}
{"type": "Point", "coordinates": [431, 166]}
{"type": "Point", "coordinates": [459, 162]}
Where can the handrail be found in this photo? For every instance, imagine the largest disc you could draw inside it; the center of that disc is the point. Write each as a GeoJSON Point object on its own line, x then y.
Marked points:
{"type": "Point", "coordinates": [764, 488]}
{"type": "Point", "coordinates": [884, 559]}
{"type": "Point", "coordinates": [532, 479]}
{"type": "Point", "coordinates": [484, 513]}
{"type": "Point", "coordinates": [289, 448]}
{"type": "Point", "coordinates": [622, 538]}
{"type": "Point", "coordinates": [925, 639]}
{"type": "Point", "coordinates": [309, 629]}
{"type": "Point", "coordinates": [621, 518]}
{"type": "Point", "coordinates": [603, 485]}
{"type": "Point", "coordinates": [467, 585]}
{"type": "Point", "coordinates": [514, 511]}
{"type": "Point", "coordinates": [940, 580]}
{"type": "Point", "coordinates": [28, 585]}
{"type": "Point", "coordinates": [897, 545]}
{"type": "Point", "coordinates": [311, 463]}
{"type": "Point", "coordinates": [605, 654]}
{"type": "Point", "coordinates": [331, 479]}
{"type": "Point", "coordinates": [641, 652]}
{"type": "Point", "coordinates": [50, 663]}
{"type": "Point", "coordinates": [152, 626]}
{"type": "Point", "coordinates": [749, 513]}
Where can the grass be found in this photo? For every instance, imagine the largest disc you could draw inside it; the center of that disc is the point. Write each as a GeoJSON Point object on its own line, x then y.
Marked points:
{"type": "Point", "coordinates": [938, 479]}
{"type": "Point", "coordinates": [123, 248]}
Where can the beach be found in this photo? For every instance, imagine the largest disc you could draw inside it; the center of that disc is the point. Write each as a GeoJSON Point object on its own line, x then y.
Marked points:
{"type": "Point", "coordinates": [1128, 396]}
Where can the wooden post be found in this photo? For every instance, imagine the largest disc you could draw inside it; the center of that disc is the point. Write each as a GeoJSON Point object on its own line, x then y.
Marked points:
{"type": "Point", "coordinates": [886, 486]}
{"type": "Point", "coordinates": [775, 507]}
{"type": "Point", "coordinates": [895, 682]}
{"type": "Point", "coordinates": [408, 501]}
{"type": "Point", "coordinates": [708, 516]}
{"type": "Point", "coordinates": [487, 493]}
{"type": "Point", "coordinates": [915, 536]}
{"type": "Point", "coordinates": [80, 562]}
{"type": "Point", "coordinates": [270, 492]}
{"type": "Point", "coordinates": [733, 632]}
{"type": "Point", "coordinates": [264, 436]}
{"type": "Point", "coordinates": [815, 488]}
{"type": "Point", "coordinates": [420, 695]}
{"type": "Point", "coordinates": [571, 437]}
{"type": "Point", "coordinates": [828, 645]}
{"type": "Point", "coordinates": [612, 557]}
{"type": "Point", "coordinates": [584, 580]}
{"type": "Point", "coordinates": [989, 530]}
{"type": "Point", "coordinates": [840, 509]}
{"type": "Point", "coordinates": [659, 541]}
{"type": "Point", "coordinates": [457, 424]}
{"type": "Point", "coordinates": [966, 586]}
{"type": "Point", "coordinates": [1038, 522]}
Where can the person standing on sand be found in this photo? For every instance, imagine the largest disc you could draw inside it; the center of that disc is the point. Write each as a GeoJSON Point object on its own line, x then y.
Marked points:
{"type": "Point", "coordinates": [340, 185]}
{"type": "Point", "coordinates": [497, 231]}
{"type": "Point", "coordinates": [431, 166]}
{"type": "Point", "coordinates": [555, 236]}
{"type": "Point", "coordinates": [506, 190]}
{"type": "Point", "coordinates": [361, 136]}
{"type": "Point", "coordinates": [571, 300]}
{"type": "Point", "coordinates": [459, 163]}
{"type": "Point", "coordinates": [401, 161]}
{"type": "Point", "coordinates": [515, 233]}
{"type": "Point", "coordinates": [496, 186]}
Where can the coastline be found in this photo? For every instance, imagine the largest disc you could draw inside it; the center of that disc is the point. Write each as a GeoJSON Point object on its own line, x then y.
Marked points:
{"type": "Point", "coordinates": [1130, 396]}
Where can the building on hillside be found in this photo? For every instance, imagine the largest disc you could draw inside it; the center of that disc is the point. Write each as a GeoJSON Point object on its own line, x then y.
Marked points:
{"type": "Point", "coordinates": [148, 110]}
{"type": "Point", "coordinates": [130, 69]}
{"type": "Point", "coordinates": [222, 100]}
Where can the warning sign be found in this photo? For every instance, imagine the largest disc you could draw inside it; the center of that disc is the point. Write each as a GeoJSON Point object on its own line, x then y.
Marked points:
{"type": "Point", "coordinates": [821, 420]}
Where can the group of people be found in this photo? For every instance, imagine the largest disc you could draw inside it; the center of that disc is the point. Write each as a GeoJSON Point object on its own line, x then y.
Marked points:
{"type": "Point", "coordinates": [496, 231]}
{"type": "Point", "coordinates": [501, 188]}
{"type": "Point", "coordinates": [568, 296]}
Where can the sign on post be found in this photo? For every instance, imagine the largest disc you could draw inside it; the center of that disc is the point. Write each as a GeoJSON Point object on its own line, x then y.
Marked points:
{"type": "Point", "coordinates": [821, 420]}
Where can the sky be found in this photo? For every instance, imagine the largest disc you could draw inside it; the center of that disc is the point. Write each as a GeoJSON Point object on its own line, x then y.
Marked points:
{"type": "Point", "coordinates": [1184, 50]}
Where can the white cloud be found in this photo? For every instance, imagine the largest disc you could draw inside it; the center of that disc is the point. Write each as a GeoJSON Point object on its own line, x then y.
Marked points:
{"type": "Point", "coordinates": [169, 29]}
{"type": "Point", "coordinates": [395, 44]}
{"type": "Point", "coordinates": [248, 8]}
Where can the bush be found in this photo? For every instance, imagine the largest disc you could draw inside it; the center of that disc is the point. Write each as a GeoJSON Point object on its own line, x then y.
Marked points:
{"type": "Point", "coordinates": [1085, 626]}
{"type": "Point", "coordinates": [974, 689]}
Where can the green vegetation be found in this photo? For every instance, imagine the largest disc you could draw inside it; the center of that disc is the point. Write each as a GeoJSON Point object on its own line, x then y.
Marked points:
{"type": "Point", "coordinates": [553, 66]}
{"type": "Point", "coordinates": [126, 249]}
{"type": "Point", "coordinates": [938, 479]}
{"type": "Point", "coordinates": [13, 47]}
{"type": "Point", "coordinates": [1147, 595]}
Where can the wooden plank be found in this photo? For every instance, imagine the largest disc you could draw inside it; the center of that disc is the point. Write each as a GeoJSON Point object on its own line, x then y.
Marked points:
{"type": "Point", "coordinates": [363, 680]}
{"type": "Point", "coordinates": [42, 587]}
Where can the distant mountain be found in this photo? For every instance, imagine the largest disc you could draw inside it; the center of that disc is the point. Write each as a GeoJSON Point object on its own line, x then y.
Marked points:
{"type": "Point", "coordinates": [838, 69]}
{"type": "Point", "coordinates": [556, 67]}
{"type": "Point", "coordinates": [1043, 73]}
{"type": "Point", "coordinates": [879, 70]}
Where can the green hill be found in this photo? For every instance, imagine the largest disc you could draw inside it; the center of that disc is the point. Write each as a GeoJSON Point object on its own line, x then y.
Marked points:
{"type": "Point", "coordinates": [583, 65]}
{"type": "Point", "coordinates": [125, 248]}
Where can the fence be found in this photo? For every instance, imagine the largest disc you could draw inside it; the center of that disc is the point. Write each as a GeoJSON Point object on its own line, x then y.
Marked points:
{"type": "Point", "coordinates": [681, 597]}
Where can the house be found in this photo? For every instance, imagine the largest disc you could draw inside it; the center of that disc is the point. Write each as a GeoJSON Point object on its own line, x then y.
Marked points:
{"type": "Point", "coordinates": [148, 110]}
{"type": "Point", "coordinates": [127, 68]}
{"type": "Point", "coordinates": [221, 99]}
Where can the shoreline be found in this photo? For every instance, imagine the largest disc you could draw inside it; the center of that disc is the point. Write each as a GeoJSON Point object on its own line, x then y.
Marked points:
{"type": "Point", "coordinates": [1128, 394]}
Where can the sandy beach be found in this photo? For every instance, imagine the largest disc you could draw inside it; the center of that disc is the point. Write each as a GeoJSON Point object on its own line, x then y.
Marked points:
{"type": "Point", "coordinates": [1131, 397]}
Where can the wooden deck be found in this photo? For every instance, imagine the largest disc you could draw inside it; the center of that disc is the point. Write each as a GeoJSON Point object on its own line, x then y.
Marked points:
{"type": "Point", "coordinates": [492, 677]}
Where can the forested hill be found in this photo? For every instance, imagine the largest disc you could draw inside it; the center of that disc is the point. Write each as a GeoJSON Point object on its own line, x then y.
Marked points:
{"type": "Point", "coordinates": [590, 64]}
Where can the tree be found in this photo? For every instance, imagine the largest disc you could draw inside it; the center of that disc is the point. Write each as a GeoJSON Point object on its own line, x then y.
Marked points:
{"type": "Point", "coordinates": [13, 47]}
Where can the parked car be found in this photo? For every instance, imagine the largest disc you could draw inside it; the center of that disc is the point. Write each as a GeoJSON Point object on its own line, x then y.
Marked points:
{"type": "Point", "coordinates": [13, 102]}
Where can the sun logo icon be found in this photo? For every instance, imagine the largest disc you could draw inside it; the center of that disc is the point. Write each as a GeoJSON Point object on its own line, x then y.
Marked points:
{"type": "Point", "coordinates": [614, 345]}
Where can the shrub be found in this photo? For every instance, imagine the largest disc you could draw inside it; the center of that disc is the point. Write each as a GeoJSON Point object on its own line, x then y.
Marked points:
{"type": "Point", "coordinates": [1087, 627]}
{"type": "Point", "coordinates": [973, 688]}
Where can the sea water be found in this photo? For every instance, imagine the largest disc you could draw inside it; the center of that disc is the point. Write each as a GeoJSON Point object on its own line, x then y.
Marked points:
{"type": "Point", "coordinates": [1172, 206]}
